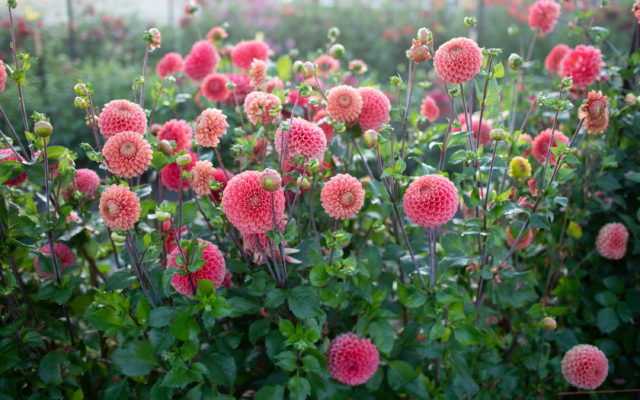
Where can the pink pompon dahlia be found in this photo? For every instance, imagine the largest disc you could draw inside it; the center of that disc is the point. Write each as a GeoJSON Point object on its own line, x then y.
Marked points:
{"type": "Point", "coordinates": [342, 196]}
{"type": "Point", "coordinates": [8, 155]}
{"type": "Point", "coordinates": [430, 201]}
{"type": "Point", "coordinates": [171, 177]}
{"type": "Point", "coordinates": [458, 60]}
{"type": "Point", "coordinates": [210, 125]}
{"type": "Point", "coordinates": [305, 139]}
{"type": "Point", "coordinates": [3, 76]}
{"type": "Point", "coordinates": [611, 241]}
{"type": "Point", "coordinates": [326, 65]}
{"type": "Point", "coordinates": [259, 105]}
{"type": "Point", "coordinates": [217, 33]}
{"type": "Point", "coordinates": [200, 177]}
{"type": "Point", "coordinates": [248, 206]}
{"type": "Point", "coordinates": [177, 130]}
{"type": "Point", "coordinates": [169, 64]}
{"type": "Point", "coordinates": [585, 366]}
{"type": "Point", "coordinates": [64, 255]}
{"type": "Point", "coordinates": [553, 61]}
{"type": "Point", "coordinates": [245, 52]}
{"type": "Point", "coordinates": [214, 87]}
{"type": "Point", "coordinates": [250, 245]}
{"type": "Point", "coordinates": [240, 91]}
{"type": "Point", "coordinates": [595, 112]}
{"type": "Point", "coordinates": [541, 145]}
{"type": "Point", "coordinates": [168, 235]}
{"type": "Point", "coordinates": [127, 154]}
{"type": "Point", "coordinates": [119, 207]}
{"type": "Point", "coordinates": [274, 84]}
{"type": "Point", "coordinates": [344, 103]}
{"type": "Point", "coordinates": [352, 361]}
{"type": "Point", "coordinates": [213, 270]}
{"type": "Point", "coordinates": [201, 61]}
{"type": "Point", "coordinates": [121, 116]}
{"type": "Point", "coordinates": [258, 74]}
{"type": "Point", "coordinates": [543, 15]}
{"type": "Point", "coordinates": [321, 119]}
{"type": "Point", "coordinates": [375, 109]}
{"type": "Point", "coordinates": [87, 181]}
{"type": "Point", "coordinates": [583, 64]}
{"type": "Point", "coordinates": [485, 130]}
{"type": "Point", "coordinates": [429, 108]}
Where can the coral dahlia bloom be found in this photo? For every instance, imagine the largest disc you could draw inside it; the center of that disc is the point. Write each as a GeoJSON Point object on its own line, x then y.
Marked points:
{"type": "Point", "coordinates": [213, 270]}
{"type": "Point", "coordinates": [485, 130]}
{"type": "Point", "coordinates": [543, 15]}
{"type": "Point", "coordinates": [127, 154]}
{"type": "Point", "coordinates": [541, 145]}
{"type": "Point", "coordinates": [352, 361]}
{"type": "Point", "coordinates": [64, 255]}
{"type": "Point", "coordinates": [3, 76]}
{"type": "Point", "coordinates": [119, 207]}
{"type": "Point", "coordinates": [595, 112]}
{"type": "Point", "coordinates": [8, 155]}
{"type": "Point", "coordinates": [553, 61]}
{"type": "Point", "coordinates": [258, 106]}
{"type": "Point", "coordinates": [583, 64]}
{"type": "Point", "coordinates": [242, 89]}
{"type": "Point", "coordinates": [201, 61]}
{"type": "Point", "coordinates": [200, 177]}
{"type": "Point", "coordinates": [458, 60]}
{"type": "Point", "coordinates": [214, 87]}
{"type": "Point", "coordinates": [168, 235]}
{"type": "Point", "coordinates": [245, 52]}
{"type": "Point", "coordinates": [210, 125]}
{"type": "Point", "coordinates": [258, 74]}
{"type": "Point", "coordinates": [429, 108]}
{"type": "Point", "coordinates": [121, 116]}
{"type": "Point", "coordinates": [326, 65]}
{"type": "Point", "coordinates": [177, 130]}
{"type": "Point", "coordinates": [523, 243]}
{"type": "Point", "coordinates": [305, 139]}
{"type": "Point", "coordinates": [248, 206]}
{"type": "Point", "coordinates": [585, 366]}
{"type": "Point", "coordinates": [611, 241]}
{"type": "Point", "coordinates": [169, 64]}
{"type": "Point", "coordinates": [430, 201]}
{"type": "Point", "coordinates": [87, 182]}
{"type": "Point", "coordinates": [170, 175]}
{"type": "Point", "coordinates": [375, 109]}
{"type": "Point", "coordinates": [344, 103]}
{"type": "Point", "coordinates": [342, 196]}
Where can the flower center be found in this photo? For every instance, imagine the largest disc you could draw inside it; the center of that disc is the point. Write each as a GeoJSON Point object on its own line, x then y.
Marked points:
{"type": "Point", "coordinates": [128, 149]}
{"type": "Point", "coordinates": [455, 51]}
{"type": "Point", "coordinates": [347, 198]}
{"type": "Point", "coordinates": [345, 100]}
{"type": "Point", "coordinates": [112, 207]}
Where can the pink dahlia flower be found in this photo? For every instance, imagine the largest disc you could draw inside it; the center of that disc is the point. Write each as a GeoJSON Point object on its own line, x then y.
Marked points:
{"type": "Point", "coordinates": [170, 175]}
{"type": "Point", "coordinates": [458, 60]}
{"type": "Point", "coordinates": [326, 65]}
{"type": "Point", "coordinates": [210, 125]}
{"type": "Point", "coordinates": [169, 64]}
{"type": "Point", "coordinates": [583, 64]}
{"type": "Point", "coordinates": [8, 155]}
{"type": "Point", "coordinates": [119, 207]}
{"type": "Point", "coordinates": [201, 61]}
{"type": "Point", "coordinates": [344, 103]}
{"type": "Point", "coordinates": [122, 116]}
{"type": "Point", "coordinates": [242, 89]}
{"type": "Point", "coordinates": [429, 108]}
{"type": "Point", "coordinates": [3, 76]}
{"type": "Point", "coordinates": [375, 109]}
{"type": "Point", "coordinates": [585, 366]}
{"type": "Point", "coordinates": [321, 119]}
{"type": "Point", "coordinates": [485, 130]}
{"type": "Point", "coordinates": [258, 74]}
{"type": "Point", "coordinates": [352, 361]}
{"type": "Point", "coordinates": [200, 177]}
{"type": "Point", "coordinates": [543, 15]}
{"type": "Point", "coordinates": [168, 234]}
{"type": "Point", "coordinates": [87, 182]}
{"type": "Point", "coordinates": [595, 112]}
{"type": "Point", "coordinates": [553, 61]}
{"type": "Point", "coordinates": [305, 139]}
{"type": "Point", "coordinates": [177, 130]}
{"type": "Point", "coordinates": [258, 106]}
{"type": "Point", "coordinates": [342, 196]}
{"type": "Point", "coordinates": [216, 33]}
{"type": "Point", "coordinates": [213, 270]}
{"type": "Point", "coordinates": [245, 52]}
{"type": "Point", "coordinates": [127, 154]}
{"type": "Point", "coordinates": [214, 87]}
{"type": "Point", "coordinates": [541, 145]}
{"type": "Point", "coordinates": [430, 201]}
{"type": "Point", "coordinates": [220, 177]}
{"type": "Point", "coordinates": [64, 255]}
{"type": "Point", "coordinates": [611, 241]}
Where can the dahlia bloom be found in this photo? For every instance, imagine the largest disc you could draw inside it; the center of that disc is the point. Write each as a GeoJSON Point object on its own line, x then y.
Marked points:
{"type": "Point", "coordinates": [216, 33]}
{"type": "Point", "coordinates": [258, 105]}
{"type": "Point", "coordinates": [248, 206]}
{"type": "Point", "coordinates": [8, 155]}
{"type": "Point", "coordinates": [541, 145]}
{"type": "Point", "coordinates": [86, 181]}
{"type": "Point", "coordinates": [245, 52]}
{"type": "Point", "coordinates": [121, 116]}
{"type": "Point", "coordinates": [250, 246]}
{"type": "Point", "coordinates": [583, 64]}
{"type": "Point", "coordinates": [169, 64]}
{"type": "Point", "coordinates": [168, 235]}
{"type": "Point", "coordinates": [429, 108]}
{"type": "Point", "coordinates": [242, 89]}
{"type": "Point", "coordinates": [177, 130]}
{"type": "Point", "coordinates": [214, 87]}
{"type": "Point", "coordinates": [352, 361]}
{"type": "Point", "coordinates": [210, 125]}
{"type": "Point", "coordinates": [326, 127]}
{"type": "Point", "coordinates": [543, 15]}
{"type": "Point", "coordinates": [258, 74]}
{"type": "Point", "coordinates": [553, 61]}
{"type": "Point", "coordinates": [342, 196]}
{"type": "Point", "coordinates": [213, 270]}
{"type": "Point", "coordinates": [458, 60]}
{"type": "Point", "coordinates": [595, 112]}
{"type": "Point", "coordinates": [430, 201]}
{"type": "Point", "coordinates": [485, 130]}
{"type": "Point", "coordinates": [220, 177]}
{"type": "Point", "coordinates": [305, 139]}
{"type": "Point", "coordinates": [3, 76]}
{"type": "Point", "coordinates": [611, 241]}
{"type": "Point", "coordinates": [127, 154]}
{"type": "Point", "coordinates": [201, 61]}
{"type": "Point", "coordinates": [519, 167]}
{"type": "Point", "coordinates": [357, 67]}
{"type": "Point", "coordinates": [585, 366]}
{"type": "Point", "coordinates": [344, 103]}
{"type": "Point", "coordinates": [170, 175]}
{"type": "Point", "coordinates": [524, 242]}
{"type": "Point", "coordinates": [200, 177]}
{"type": "Point", "coordinates": [375, 109]}
{"type": "Point", "coordinates": [326, 65]}
{"type": "Point", "coordinates": [64, 255]}
{"type": "Point", "coordinates": [119, 207]}
{"type": "Point", "coordinates": [274, 83]}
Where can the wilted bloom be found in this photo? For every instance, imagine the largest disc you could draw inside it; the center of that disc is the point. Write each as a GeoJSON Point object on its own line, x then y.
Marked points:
{"type": "Point", "coordinates": [595, 112]}
{"type": "Point", "coordinates": [270, 180]}
{"type": "Point", "coordinates": [210, 125]}
{"type": "Point", "coordinates": [326, 65]}
{"type": "Point", "coordinates": [154, 38]}
{"type": "Point", "coordinates": [524, 242]}
{"type": "Point", "coordinates": [342, 196]}
{"type": "Point", "coordinates": [585, 366]}
{"type": "Point", "coordinates": [352, 361]}
{"type": "Point", "coordinates": [216, 33]}
{"type": "Point", "coordinates": [357, 67]}
{"type": "Point", "coordinates": [419, 53]}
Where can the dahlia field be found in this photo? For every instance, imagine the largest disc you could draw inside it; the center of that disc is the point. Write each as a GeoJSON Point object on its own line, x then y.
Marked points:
{"type": "Point", "coordinates": [244, 219]}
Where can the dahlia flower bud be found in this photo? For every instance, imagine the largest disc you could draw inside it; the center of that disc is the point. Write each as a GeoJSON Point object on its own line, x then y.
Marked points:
{"type": "Point", "coordinates": [515, 61]}
{"type": "Point", "coordinates": [630, 99]}
{"type": "Point", "coordinates": [575, 230]}
{"type": "Point", "coordinates": [43, 129]}
{"type": "Point", "coordinates": [303, 183]}
{"type": "Point", "coordinates": [520, 167]}
{"type": "Point", "coordinates": [469, 22]}
{"type": "Point", "coordinates": [81, 89]}
{"type": "Point", "coordinates": [337, 51]}
{"type": "Point", "coordinates": [298, 67]}
{"type": "Point", "coordinates": [308, 69]}
{"type": "Point", "coordinates": [333, 33]}
{"type": "Point", "coordinates": [166, 147]}
{"type": "Point", "coordinates": [12, 3]}
{"type": "Point", "coordinates": [567, 82]}
{"type": "Point", "coordinates": [95, 121]}
{"type": "Point", "coordinates": [424, 36]}
{"type": "Point", "coordinates": [371, 138]}
{"type": "Point", "coordinates": [270, 180]}
{"type": "Point", "coordinates": [418, 53]}
{"type": "Point", "coordinates": [155, 129]}
{"type": "Point", "coordinates": [163, 216]}
{"type": "Point", "coordinates": [549, 324]}
{"type": "Point", "coordinates": [118, 239]}
{"type": "Point", "coordinates": [183, 160]}
{"type": "Point", "coordinates": [80, 103]}
{"type": "Point", "coordinates": [513, 30]}
{"type": "Point", "coordinates": [190, 8]}
{"type": "Point", "coordinates": [497, 134]}
{"type": "Point", "coordinates": [153, 37]}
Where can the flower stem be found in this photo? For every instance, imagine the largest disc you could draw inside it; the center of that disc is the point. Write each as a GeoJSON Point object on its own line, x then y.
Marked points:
{"type": "Point", "coordinates": [144, 74]}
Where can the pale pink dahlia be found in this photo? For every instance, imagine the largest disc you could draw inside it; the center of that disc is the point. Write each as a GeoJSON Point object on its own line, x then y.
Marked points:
{"type": "Point", "coordinates": [248, 206]}
{"type": "Point", "coordinates": [121, 116]}
{"type": "Point", "coordinates": [214, 87]}
{"type": "Point", "coordinates": [305, 139]}
{"type": "Point", "coordinates": [583, 64]}
{"type": "Point", "coordinates": [210, 125]}
{"type": "Point", "coordinates": [213, 270]}
{"type": "Point", "coordinates": [595, 112]}
{"type": "Point", "coordinates": [245, 52]}
{"type": "Point", "coordinates": [64, 255]}
{"type": "Point", "coordinates": [201, 61]}
{"type": "Point", "coordinates": [429, 108]}
{"type": "Point", "coordinates": [458, 60]}
{"type": "Point", "coordinates": [375, 109]}
{"type": "Point", "coordinates": [87, 182]}
{"type": "Point", "coordinates": [217, 33]}
{"type": "Point", "coordinates": [342, 196]}
{"type": "Point", "coordinates": [8, 155]}
{"type": "Point", "coordinates": [177, 130]}
{"type": "Point", "coordinates": [242, 89]}
{"type": "Point", "coordinates": [553, 61]}
{"type": "Point", "coordinates": [258, 74]}
{"type": "Point", "coordinates": [3, 76]}
{"type": "Point", "coordinates": [352, 361]}
{"type": "Point", "coordinates": [200, 177]}
{"type": "Point", "coordinates": [170, 175]}
{"type": "Point", "coordinates": [169, 64]}
{"type": "Point", "coordinates": [344, 103]}
{"type": "Point", "coordinates": [119, 207]}
{"type": "Point", "coordinates": [127, 154]}
{"type": "Point", "coordinates": [585, 366]}
{"type": "Point", "coordinates": [485, 130]}
{"type": "Point", "coordinates": [430, 201]}
{"type": "Point", "coordinates": [326, 65]}
{"type": "Point", "coordinates": [543, 15]}
{"type": "Point", "coordinates": [541, 145]}
{"type": "Point", "coordinates": [611, 241]}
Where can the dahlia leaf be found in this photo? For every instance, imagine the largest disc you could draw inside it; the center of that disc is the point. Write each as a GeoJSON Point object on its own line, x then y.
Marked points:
{"type": "Point", "coordinates": [134, 358]}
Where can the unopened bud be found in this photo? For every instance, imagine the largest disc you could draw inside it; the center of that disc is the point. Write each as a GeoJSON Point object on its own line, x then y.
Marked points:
{"type": "Point", "coordinates": [515, 61]}
{"type": "Point", "coordinates": [575, 230]}
{"type": "Point", "coordinates": [183, 160]}
{"type": "Point", "coordinates": [43, 129]}
{"type": "Point", "coordinates": [304, 183]}
{"type": "Point", "coordinates": [81, 89]}
{"type": "Point", "coordinates": [549, 324]}
{"type": "Point", "coordinates": [298, 68]}
{"type": "Point", "coordinates": [513, 30]}
{"type": "Point", "coordinates": [567, 82]}
{"type": "Point", "coordinates": [190, 8]}
{"type": "Point", "coordinates": [166, 147]}
{"type": "Point", "coordinates": [80, 103]}
{"type": "Point", "coordinates": [424, 36]}
{"type": "Point", "coordinates": [155, 129]}
{"type": "Point", "coordinates": [337, 51]}
{"type": "Point", "coordinates": [95, 121]}
{"type": "Point", "coordinates": [308, 69]}
{"type": "Point", "coordinates": [163, 216]}
{"type": "Point", "coordinates": [418, 53]}
{"type": "Point", "coordinates": [270, 180]}
{"type": "Point", "coordinates": [117, 238]}
{"type": "Point", "coordinates": [12, 3]}
{"type": "Point", "coordinates": [497, 134]}
{"type": "Point", "coordinates": [333, 33]}
{"type": "Point", "coordinates": [630, 99]}
{"type": "Point", "coordinates": [154, 38]}
{"type": "Point", "coordinates": [469, 22]}
{"type": "Point", "coordinates": [371, 138]}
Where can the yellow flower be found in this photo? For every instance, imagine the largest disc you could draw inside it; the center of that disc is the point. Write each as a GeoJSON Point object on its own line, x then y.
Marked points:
{"type": "Point", "coordinates": [520, 167]}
